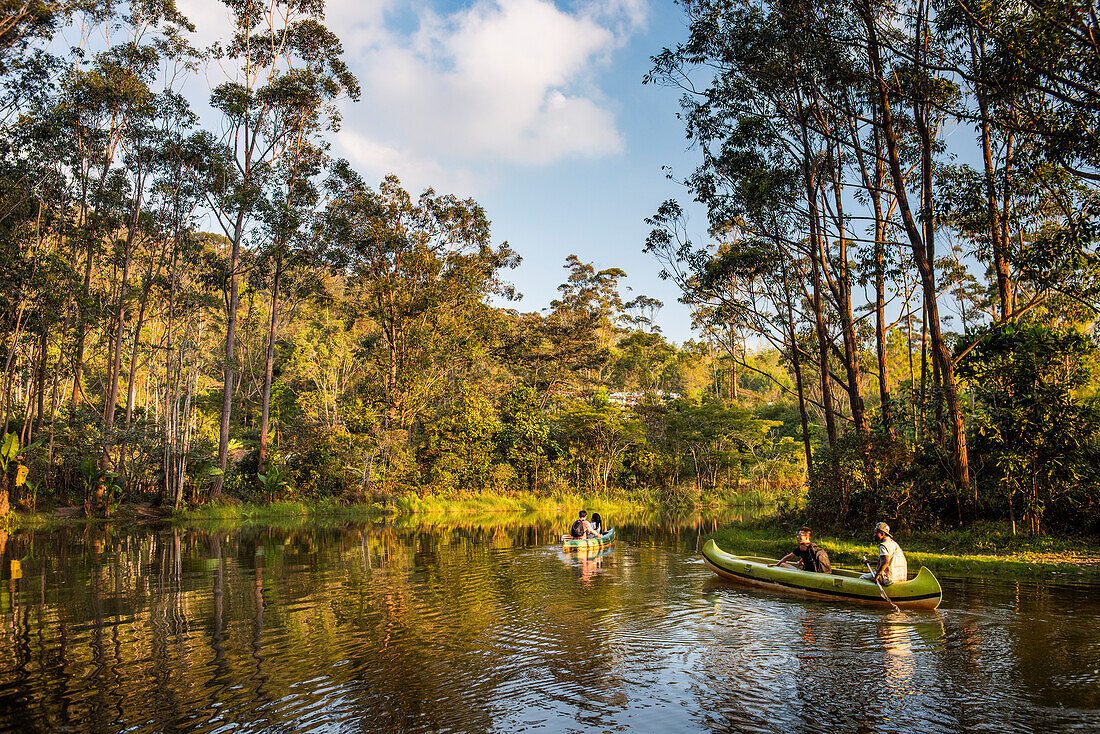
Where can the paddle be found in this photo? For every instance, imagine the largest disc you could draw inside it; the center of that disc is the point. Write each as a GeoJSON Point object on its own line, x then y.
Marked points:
{"type": "Point", "coordinates": [874, 577]}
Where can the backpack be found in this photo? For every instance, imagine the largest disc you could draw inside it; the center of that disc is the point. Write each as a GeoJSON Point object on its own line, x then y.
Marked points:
{"type": "Point", "coordinates": [821, 559]}
{"type": "Point", "coordinates": [577, 530]}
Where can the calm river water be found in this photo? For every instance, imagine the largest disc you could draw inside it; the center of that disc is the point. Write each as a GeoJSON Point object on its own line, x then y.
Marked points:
{"type": "Point", "coordinates": [493, 628]}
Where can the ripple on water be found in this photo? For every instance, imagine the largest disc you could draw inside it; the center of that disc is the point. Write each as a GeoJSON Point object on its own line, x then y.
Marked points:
{"type": "Point", "coordinates": [434, 631]}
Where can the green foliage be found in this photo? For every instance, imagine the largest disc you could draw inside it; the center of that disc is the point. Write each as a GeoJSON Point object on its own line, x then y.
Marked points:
{"type": "Point", "coordinates": [324, 466]}
{"type": "Point", "coordinates": [594, 435]}
{"type": "Point", "coordinates": [419, 270]}
{"type": "Point", "coordinates": [857, 481]}
{"type": "Point", "coordinates": [457, 448]}
{"type": "Point", "coordinates": [523, 440]}
{"type": "Point", "coordinates": [1041, 443]}
{"type": "Point", "coordinates": [9, 450]}
{"type": "Point", "coordinates": [393, 373]}
{"type": "Point", "coordinates": [100, 486]}
{"type": "Point", "coordinates": [275, 482]}
{"type": "Point", "coordinates": [646, 362]}
{"type": "Point", "coordinates": [716, 440]}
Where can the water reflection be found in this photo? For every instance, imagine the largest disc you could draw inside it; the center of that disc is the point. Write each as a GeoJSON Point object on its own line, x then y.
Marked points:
{"type": "Point", "coordinates": [587, 561]}
{"type": "Point", "coordinates": [480, 626]}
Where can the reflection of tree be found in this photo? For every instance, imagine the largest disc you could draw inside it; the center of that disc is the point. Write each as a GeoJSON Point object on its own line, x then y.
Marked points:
{"type": "Point", "coordinates": [431, 628]}
{"type": "Point", "coordinates": [183, 627]}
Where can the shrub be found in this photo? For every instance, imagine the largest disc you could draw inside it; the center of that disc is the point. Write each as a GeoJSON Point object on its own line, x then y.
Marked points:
{"type": "Point", "coordinates": [860, 481]}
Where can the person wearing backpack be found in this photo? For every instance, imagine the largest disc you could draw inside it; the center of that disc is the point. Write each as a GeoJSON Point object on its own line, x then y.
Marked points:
{"type": "Point", "coordinates": [582, 528]}
{"type": "Point", "coordinates": [810, 557]}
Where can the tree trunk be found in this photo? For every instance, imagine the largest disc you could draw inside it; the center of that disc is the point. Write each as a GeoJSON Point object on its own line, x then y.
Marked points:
{"type": "Point", "coordinates": [230, 354]}
{"type": "Point", "coordinates": [880, 312]}
{"type": "Point", "coordinates": [797, 363]}
{"type": "Point", "coordinates": [997, 235]}
{"type": "Point", "coordinates": [874, 185]}
{"type": "Point", "coordinates": [54, 390]}
{"type": "Point", "coordinates": [819, 316]}
{"type": "Point", "coordinates": [841, 289]}
{"type": "Point", "coordinates": [43, 364]}
{"type": "Point", "coordinates": [146, 287]}
{"type": "Point", "coordinates": [82, 324]}
{"type": "Point", "coordinates": [9, 364]}
{"type": "Point", "coordinates": [269, 365]}
{"type": "Point", "coordinates": [920, 255]}
{"type": "Point", "coordinates": [116, 351]}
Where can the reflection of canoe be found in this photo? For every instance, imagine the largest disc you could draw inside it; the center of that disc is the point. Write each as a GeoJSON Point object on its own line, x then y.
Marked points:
{"type": "Point", "coordinates": [571, 543]}
{"type": "Point", "coordinates": [922, 591]}
{"type": "Point", "coordinates": [587, 558]}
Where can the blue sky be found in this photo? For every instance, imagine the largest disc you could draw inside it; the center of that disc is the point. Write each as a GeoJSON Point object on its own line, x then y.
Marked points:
{"type": "Point", "coordinates": [534, 108]}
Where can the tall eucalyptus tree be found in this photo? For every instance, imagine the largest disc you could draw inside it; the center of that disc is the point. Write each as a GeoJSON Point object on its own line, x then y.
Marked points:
{"type": "Point", "coordinates": [304, 106]}
{"type": "Point", "coordinates": [285, 74]}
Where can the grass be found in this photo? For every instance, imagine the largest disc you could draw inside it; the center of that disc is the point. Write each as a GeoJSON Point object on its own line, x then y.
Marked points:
{"type": "Point", "coordinates": [510, 502]}
{"type": "Point", "coordinates": [442, 508]}
{"type": "Point", "coordinates": [408, 510]}
{"type": "Point", "coordinates": [491, 508]}
{"type": "Point", "coordinates": [985, 549]}
{"type": "Point", "coordinates": [26, 521]}
{"type": "Point", "coordinates": [240, 512]}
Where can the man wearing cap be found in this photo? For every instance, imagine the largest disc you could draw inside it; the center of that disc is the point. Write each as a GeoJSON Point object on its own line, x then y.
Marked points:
{"type": "Point", "coordinates": [891, 560]}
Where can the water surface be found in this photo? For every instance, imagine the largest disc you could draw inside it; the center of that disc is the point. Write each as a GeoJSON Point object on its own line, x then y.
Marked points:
{"type": "Point", "coordinates": [493, 628]}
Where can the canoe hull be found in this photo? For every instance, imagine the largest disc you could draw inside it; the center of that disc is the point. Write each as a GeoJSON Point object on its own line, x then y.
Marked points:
{"type": "Point", "coordinates": [570, 543]}
{"type": "Point", "coordinates": [921, 592]}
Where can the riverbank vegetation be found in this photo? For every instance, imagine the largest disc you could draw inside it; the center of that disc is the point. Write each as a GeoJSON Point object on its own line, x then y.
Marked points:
{"type": "Point", "coordinates": [215, 310]}
{"type": "Point", "coordinates": [902, 203]}
{"type": "Point", "coordinates": [209, 310]}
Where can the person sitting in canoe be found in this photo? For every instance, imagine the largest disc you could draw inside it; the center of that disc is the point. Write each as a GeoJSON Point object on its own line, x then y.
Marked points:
{"type": "Point", "coordinates": [597, 523]}
{"type": "Point", "coordinates": [810, 557]}
{"type": "Point", "coordinates": [582, 528]}
{"type": "Point", "coordinates": [891, 560]}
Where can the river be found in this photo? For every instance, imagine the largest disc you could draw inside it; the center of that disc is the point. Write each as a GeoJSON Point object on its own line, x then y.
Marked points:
{"type": "Point", "coordinates": [439, 627]}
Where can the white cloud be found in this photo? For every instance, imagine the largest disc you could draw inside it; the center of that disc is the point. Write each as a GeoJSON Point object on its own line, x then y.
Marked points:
{"type": "Point", "coordinates": [625, 16]}
{"type": "Point", "coordinates": [495, 82]}
{"type": "Point", "coordinates": [374, 160]}
{"type": "Point", "coordinates": [500, 81]}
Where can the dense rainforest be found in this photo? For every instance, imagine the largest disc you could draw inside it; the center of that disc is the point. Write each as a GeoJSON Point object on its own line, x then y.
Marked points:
{"type": "Point", "coordinates": [206, 305]}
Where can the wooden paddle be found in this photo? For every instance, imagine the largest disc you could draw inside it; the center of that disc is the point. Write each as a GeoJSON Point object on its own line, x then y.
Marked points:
{"type": "Point", "coordinates": [874, 577]}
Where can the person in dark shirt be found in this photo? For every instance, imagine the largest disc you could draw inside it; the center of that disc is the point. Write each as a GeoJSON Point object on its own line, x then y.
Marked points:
{"type": "Point", "coordinates": [582, 528]}
{"type": "Point", "coordinates": [806, 553]}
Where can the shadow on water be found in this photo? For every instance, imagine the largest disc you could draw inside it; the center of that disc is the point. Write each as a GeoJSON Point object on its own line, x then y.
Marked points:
{"type": "Point", "coordinates": [422, 625]}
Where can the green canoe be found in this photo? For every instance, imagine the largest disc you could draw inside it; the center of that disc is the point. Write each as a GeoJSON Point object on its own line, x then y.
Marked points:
{"type": "Point", "coordinates": [921, 591]}
{"type": "Point", "coordinates": [571, 543]}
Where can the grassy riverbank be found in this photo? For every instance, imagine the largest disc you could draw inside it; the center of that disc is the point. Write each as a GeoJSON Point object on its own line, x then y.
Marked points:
{"type": "Point", "coordinates": [489, 506]}
{"type": "Point", "coordinates": [985, 549]}
{"type": "Point", "coordinates": [442, 509]}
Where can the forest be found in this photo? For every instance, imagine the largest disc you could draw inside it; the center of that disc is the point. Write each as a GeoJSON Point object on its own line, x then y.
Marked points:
{"type": "Point", "coordinates": [915, 176]}
{"type": "Point", "coordinates": [895, 294]}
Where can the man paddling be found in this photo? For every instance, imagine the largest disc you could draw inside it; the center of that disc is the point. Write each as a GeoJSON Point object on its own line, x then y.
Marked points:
{"type": "Point", "coordinates": [810, 557]}
{"type": "Point", "coordinates": [892, 565]}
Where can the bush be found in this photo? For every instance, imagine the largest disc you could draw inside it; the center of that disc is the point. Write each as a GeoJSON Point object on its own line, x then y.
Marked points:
{"type": "Point", "coordinates": [858, 482]}
{"type": "Point", "coordinates": [319, 470]}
